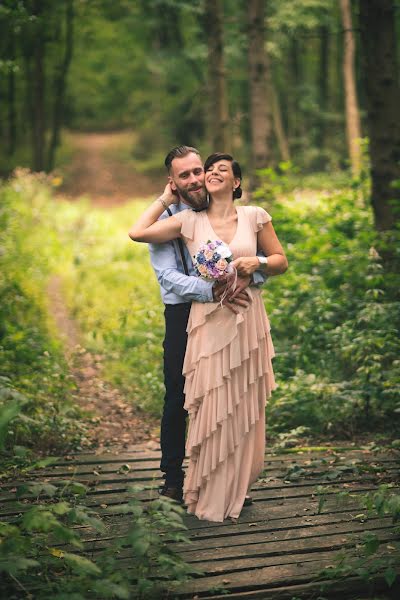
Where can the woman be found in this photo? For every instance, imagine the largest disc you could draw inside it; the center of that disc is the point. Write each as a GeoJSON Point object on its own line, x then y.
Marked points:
{"type": "Point", "coordinates": [227, 368]}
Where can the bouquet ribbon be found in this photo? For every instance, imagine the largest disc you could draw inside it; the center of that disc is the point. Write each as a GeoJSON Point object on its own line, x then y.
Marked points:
{"type": "Point", "coordinates": [230, 284]}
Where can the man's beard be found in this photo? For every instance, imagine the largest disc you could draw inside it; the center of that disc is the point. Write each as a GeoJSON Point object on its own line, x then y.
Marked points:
{"type": "Point", "coordinates": [195, 199]}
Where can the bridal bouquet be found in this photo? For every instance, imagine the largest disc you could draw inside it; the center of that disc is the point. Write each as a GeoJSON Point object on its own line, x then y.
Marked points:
{"type": "Point", "coordinates": [212, 260]}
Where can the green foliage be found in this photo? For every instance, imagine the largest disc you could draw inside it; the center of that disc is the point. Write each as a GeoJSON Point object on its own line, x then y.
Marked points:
{"type": "Point", "coordinates": [143, 66]}
{"type": "Point", "coordinates": [49, 538]}
{"type": "Point", "coordinates": [114, 295]}
{"type": "Point", "coordinates": [35, 385]}
{"type": "Point", "coordinates": [334, 314]}
{"type": "Point", "coordinates": [367, 561]}
{"type": "Point", "coordinates": [335, 317]}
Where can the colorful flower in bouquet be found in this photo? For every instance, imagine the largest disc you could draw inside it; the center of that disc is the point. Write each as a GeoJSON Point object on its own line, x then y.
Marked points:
{"type": "Point", "coordinates": [212, 260]}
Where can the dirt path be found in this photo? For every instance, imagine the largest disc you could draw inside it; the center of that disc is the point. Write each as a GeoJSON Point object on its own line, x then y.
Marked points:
{"type": "Point", "coordinates": [101, 169]}
{"type": "Point", "coordinates": [114, 425]}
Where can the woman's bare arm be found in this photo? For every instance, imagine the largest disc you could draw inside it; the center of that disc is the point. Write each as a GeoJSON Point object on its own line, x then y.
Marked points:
{"type": "Point", "coordinates": [270, 245]}
{"type": "Point", "coordinates": [148, 229]}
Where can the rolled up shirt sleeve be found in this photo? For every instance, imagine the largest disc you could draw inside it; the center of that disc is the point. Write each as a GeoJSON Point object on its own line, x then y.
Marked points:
{"type": "Point", "coordinates": [172, 281]}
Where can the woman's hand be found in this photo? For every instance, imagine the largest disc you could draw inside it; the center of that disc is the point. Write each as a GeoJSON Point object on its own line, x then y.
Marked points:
{"type": "Point", "coordinates": [169, 196]}
{"type": "Point", "coordinates": [246, 265]}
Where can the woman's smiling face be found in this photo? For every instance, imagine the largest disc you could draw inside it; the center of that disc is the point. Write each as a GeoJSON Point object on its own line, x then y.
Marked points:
{"type": "Point", "coordinates": [220, 177]}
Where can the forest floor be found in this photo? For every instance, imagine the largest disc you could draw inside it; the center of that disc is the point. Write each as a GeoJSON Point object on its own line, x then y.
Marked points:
{"type": "Point", "coordinates": [102, 168]}
{"type": "Point", "coordinates": [98, 172]}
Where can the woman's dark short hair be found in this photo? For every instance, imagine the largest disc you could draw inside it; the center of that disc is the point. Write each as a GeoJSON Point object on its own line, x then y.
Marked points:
{"type": "Point", "coordinates": [237, 171]}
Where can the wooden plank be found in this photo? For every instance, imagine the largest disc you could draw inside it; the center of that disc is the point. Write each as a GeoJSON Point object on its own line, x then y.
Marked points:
{"type": "Point", "coordinates": [143, 454]}
{"type": "Point", "coordinates": [151, 469]}
{"type": "Point", "coordinates": [155, 456]}
{"type": "Point", "coordinates": [113, 496]}
{"type": "Point", "coordinates": [117, 524]}
{"type": "Point", "coordinates": [264, 577]}
{"type": "Point", "coordinates": [279, 543]}
{"type": "Point", "coordinates": [103, 503]}
{"type": "Point", "coordinates": [308, 542]}
{"type": "Point", "coordinates": [256, 537]}
{"type": "Point", "coordinates": [97, 481]}
{"type": "Point", "coordinates": [352, 587]}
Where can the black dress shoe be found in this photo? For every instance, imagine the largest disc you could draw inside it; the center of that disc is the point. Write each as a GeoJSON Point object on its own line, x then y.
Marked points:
{"type": "Point", "coordinates": [175, 493]}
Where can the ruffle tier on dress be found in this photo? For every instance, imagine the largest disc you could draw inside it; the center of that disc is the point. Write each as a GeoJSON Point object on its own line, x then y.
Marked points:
{"type": "Point", "coordinates": [228, 378]}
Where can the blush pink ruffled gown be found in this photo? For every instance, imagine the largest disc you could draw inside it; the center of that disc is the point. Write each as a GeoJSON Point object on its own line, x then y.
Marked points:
{"type": "Point", "coordinates": [229, 376]}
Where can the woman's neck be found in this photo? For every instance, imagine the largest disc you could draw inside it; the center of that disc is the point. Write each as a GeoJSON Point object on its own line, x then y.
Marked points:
{"type": "Point", "coordinates": [221, 206]}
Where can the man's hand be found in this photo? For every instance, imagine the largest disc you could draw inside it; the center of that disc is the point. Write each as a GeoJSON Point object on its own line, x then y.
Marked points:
{"type": "Point", "coordinates": [236, 299]}
{"type": "Point", "coordinates": [246, 265]}
{"type": "Point", "coordinates": [241, 284]}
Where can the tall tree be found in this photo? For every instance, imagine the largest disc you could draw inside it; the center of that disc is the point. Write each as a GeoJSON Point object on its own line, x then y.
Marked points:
{"type": "Point", "coordinates": [279, 129]}
{"type": "Point", "coordinates": [60, 84]}
{"type": "Point", "coordinates": [259, 85]}
{"type": "Point", "coordinates": [353, 126]}
{"type": "Point", "coordinates": [11, 93]}
{"type": "Point", "coordinates": [218, 103]}
{"type": "Point", "coordinates": [383, 100]}
{"type": "Point", "coordinates": [322, 84]}
{"type": "Point", "coordinates": [37, 86]}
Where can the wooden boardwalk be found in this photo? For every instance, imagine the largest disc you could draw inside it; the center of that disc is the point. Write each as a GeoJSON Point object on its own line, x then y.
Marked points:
{"type": "Point", "coordinates": [280, 543]}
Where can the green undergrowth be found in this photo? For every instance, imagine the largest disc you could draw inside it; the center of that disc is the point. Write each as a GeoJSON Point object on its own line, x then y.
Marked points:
{"type": "Point", "coordinates": [335, 319]}
{"type": "Point", "coordinates": [107, 285]}
{"type": "Point", "coordinates": [334, 313]}
{"type": "Point", "coordinates": [43, 553]}
{"type": "Point", "coordinates": [371, 556]}
{"type": "Point", "coordinates": [114, 296]}
{"type": "Point", "coordinates": [36, 411]}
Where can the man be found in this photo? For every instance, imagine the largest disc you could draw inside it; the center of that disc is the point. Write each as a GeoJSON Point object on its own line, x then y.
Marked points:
{"type": "Point", "coordinates": [179, 287]}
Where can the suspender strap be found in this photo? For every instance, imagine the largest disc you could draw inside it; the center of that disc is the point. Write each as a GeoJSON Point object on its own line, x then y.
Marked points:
{"type": "Point", "coordinates": [181, 251]}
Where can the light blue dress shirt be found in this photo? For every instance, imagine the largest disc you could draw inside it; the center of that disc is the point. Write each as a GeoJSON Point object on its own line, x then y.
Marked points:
{"type": "Point", "coordinates": [176, 287]}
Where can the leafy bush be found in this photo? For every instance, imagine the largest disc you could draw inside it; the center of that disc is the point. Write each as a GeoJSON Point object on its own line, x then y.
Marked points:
{"type": "Point", "coordinates": [335, 317]}
{"type": "Point", "coordinates": [48, 539]}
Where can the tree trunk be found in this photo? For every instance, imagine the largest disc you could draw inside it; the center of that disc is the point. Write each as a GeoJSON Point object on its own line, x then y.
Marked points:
{"type": "Point", "coordinates": [60, 84]}
{"type": "Point", "coordinates": [218, 105]}
{"type": "Point", "coordinates": [279, 130]}
{"type": "Point", "coordinates": [353, 127]}
{"type": "Point", "coordinates": [12, 113]}
{"type": "Point", "coordinates": [296, 127]}
{"type": "Point", "coordinates": [38, 90]}
{"type": "Point", "coordinates": [259, 83]}
{"type": "Point", "coordinates": [383, 100]}
{"type": "Point", "coordinates": [323, 79]}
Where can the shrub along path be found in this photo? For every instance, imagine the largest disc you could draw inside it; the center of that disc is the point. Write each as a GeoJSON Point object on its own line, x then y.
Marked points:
{"type": "Point", "coordinates": [280, 545]}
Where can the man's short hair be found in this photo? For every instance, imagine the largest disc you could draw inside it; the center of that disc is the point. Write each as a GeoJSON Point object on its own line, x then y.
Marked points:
{"type": "Point", "coordinates": [179, 152]}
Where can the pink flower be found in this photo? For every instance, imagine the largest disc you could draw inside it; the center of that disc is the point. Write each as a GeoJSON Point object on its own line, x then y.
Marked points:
{"type": "Point", "coordinates": [221, 264]}
{"type": "Point", "coordinates": [203, 270]}
{"type": "Point", "coordinates": [208, 254]}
